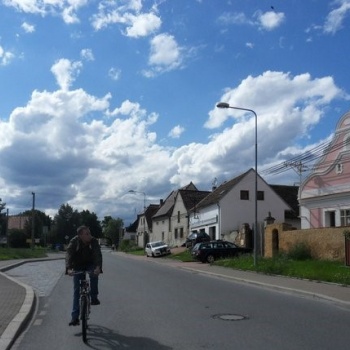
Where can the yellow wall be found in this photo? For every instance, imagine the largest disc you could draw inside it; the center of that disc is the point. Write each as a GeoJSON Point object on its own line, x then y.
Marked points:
{"type": "Point", "coordinates": [325, 243]}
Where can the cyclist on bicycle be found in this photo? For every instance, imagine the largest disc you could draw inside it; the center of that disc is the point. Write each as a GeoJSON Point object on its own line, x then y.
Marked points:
{"type": "Point", "coordinates": [83, 254]}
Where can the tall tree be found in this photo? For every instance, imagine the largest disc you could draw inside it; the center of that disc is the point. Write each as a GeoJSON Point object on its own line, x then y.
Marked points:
{"type": "Point", "coordinates": [113, 230]}
{"type": "Point", "coordinates": [91, 220]}
{"type": "Point", "coordinates": [41, 220]}
{"type": "Point", "coordinates": [67, 220]}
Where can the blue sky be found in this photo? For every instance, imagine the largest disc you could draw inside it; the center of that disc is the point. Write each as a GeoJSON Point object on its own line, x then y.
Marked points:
{"type": "Point", "coordinates": [101, 97]}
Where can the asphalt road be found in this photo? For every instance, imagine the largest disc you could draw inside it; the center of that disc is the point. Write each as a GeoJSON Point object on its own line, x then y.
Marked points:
{"type": "Point", "coordinates": [149, 305]}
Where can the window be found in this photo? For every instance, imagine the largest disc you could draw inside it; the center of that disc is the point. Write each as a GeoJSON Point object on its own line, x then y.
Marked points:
{"type": "Point", "coordinates": [175, 233]}
{"type": "Point", "coordinates": [260, 195]}
{"type": "Point", "coordinates": [345, 217]}
{"type": "Point", "coordinates": [339, 168]}
{"type": "Point", "coordinates": [178, 216]}
{"type": "Point", "coordinates": [163, 236]}
{"type": "Point", "coordinates": [244, 195]}
{"type": "Point", "coordinates": [181, 232]}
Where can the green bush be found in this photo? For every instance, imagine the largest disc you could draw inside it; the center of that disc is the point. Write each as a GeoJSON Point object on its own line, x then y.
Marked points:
{"type": "Point", "coordinates": [17, 238]}
{"type": "Point", "coordinates": [300, 251]}
{"type": "Point", "coordinates": [128, 245]}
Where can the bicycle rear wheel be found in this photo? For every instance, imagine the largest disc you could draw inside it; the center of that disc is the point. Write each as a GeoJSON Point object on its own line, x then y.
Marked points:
{"type": "Point", "coordinates": [84, 317]}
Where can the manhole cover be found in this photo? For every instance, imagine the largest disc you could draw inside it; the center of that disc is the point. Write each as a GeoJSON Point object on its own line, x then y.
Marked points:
{"type": "Point", "coordinates": [230, 317]}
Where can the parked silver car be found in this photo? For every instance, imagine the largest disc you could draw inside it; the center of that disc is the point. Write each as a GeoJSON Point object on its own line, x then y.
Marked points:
{"type": "Point", "coordinates": [158, 248]}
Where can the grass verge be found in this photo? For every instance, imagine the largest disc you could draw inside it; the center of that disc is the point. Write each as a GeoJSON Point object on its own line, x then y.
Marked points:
{"type": "Point", "coordinates": [316, 270]}
{"type": "Point", "coordinates": [21, 253]}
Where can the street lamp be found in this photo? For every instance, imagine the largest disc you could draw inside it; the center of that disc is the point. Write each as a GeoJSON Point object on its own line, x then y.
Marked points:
{"type": "Point", "coordinates": [144, 197]}
{"type": "Point", "coordinates": [144, 213]}
{"type": "Point", "coordinates": [226, 105]}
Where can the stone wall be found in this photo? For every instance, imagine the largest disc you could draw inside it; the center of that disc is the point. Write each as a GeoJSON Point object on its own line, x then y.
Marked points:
{"type": "Point", "coordinates": [325, 243]}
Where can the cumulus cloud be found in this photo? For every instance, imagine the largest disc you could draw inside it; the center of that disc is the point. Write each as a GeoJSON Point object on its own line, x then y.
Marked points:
{"type": "Point", "coordinates": [271, 20]}
{"type": "Point", "coordinates": [65, 72]}
{"type": "Point", "coordinates": [129, 15]}
{"type": "Point", "coordinates": [176, 131]}
{"type": "Point", "coordinates": [165, 55]}
{"type": "Point", "coordinates": [299, 106]}
{"type": "Point", "coordinates": [67, 9]}
{"type": "Point", "coordinates": [70, 146]}
{"type": "Point", "coordinates": [28, 28]}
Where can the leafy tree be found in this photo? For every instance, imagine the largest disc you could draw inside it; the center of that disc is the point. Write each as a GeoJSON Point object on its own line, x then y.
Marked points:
{"type": "Point", "coordinates": [41, 220]}
{"type": "Point", "coordinates": [91, 220]}
{"type": "Point", "coordinates": [113, 230]}
{"type": "Point", "coordinates": [67, 220]}
{"type": "Point", "coordinates": [105, 221]}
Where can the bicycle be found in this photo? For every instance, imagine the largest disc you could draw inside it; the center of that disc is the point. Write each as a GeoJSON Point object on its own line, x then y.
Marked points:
{"type": "Point", "coordinates": [85, 302]}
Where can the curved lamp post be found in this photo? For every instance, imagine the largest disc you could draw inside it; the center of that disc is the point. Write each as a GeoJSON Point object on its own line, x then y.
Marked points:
{"type": "Point", "coordinates": [144, 209]}
{"type": "Point", "coordinates": [144, 197]}
{"type": "Point", "coordinates": [226, 105]}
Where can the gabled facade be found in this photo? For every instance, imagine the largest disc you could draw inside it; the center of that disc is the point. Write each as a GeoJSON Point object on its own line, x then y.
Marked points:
{"type": "Point", "coordinates": [185, 200]}
{"type": "Point", "coordinates": [231, 205]}
{"type": "Point", "coordinates": [144, 226]}
{"type": "Point", "coordinates": [324, 196]}
{"type": "Point", "coordinates": [171, 222]}
{"type": "Point", "coordinates": [290, 195]}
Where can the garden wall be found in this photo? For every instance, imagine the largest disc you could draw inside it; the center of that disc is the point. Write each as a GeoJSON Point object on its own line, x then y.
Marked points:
{"type": "Point", "coordinates": [325, 243]}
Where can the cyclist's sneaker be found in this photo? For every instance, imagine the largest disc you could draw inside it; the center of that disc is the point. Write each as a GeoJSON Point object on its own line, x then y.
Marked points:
{"type": "Point", "coordinates": [95, 302]}
{"type": "Point", "coordinates": [74, 322]}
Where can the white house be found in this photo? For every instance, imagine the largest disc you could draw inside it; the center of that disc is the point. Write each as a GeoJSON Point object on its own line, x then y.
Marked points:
{"type": "Point", "coordinates": [324, 196]}
{"type": "Point", "coordinates": [171, 222]}
{"type": "Point", "coordinates": [231, 205]}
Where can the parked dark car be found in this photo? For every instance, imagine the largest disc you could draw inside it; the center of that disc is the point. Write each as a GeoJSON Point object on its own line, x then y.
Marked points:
{"type": "Point", "coordinates": [196, 237]}
{"type": "Point", "coordinates": [210, 251]}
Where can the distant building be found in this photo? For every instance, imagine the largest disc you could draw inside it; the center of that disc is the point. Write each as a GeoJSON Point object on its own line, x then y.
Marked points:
{"type": "Point", "coordinates": [17, 221]}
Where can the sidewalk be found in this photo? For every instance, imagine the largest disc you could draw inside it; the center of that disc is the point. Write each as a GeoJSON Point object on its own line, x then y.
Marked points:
{"type": "Point", "coordinates": [17, 301]}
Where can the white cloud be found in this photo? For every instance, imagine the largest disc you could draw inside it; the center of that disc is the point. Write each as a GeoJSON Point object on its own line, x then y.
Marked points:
{"type": "Point", "coordinates": [267, 20]}
{"type": "Point", "coordinates": [5, 57]}
{"type": "Point", "coordinates": [87, 54]}
{"type": "Point", "coordinates": [129, 15]}
{"type": "Point", "coordinates": [70, 146]}
{"type": "Point", "coordinates": [66, 8]}
{"type": "Point", "coordinates": [28, 28]}
{"type": "Point", "coordinates": [65, 72]}
{"type": "Point", "coordinates": [337, 16]}
{"type": "Point", "coordinates": [142, 25]}
{"type": "Point", "coordinates": [114, 73]}
{"type": "Point", "coordinates": [165, 55]}
{"type": "Point", "coordinates": [271, 20]}
{"type": "Point", "coordinates": [176, 131]}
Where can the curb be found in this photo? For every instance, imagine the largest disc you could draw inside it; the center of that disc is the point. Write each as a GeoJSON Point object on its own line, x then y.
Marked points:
{"type": "Point", "coordinates": [272, 286]}
{"type": "Point", "coordinates": [25, 314]}
{"type": "Point", "coordinates": [16, 326]}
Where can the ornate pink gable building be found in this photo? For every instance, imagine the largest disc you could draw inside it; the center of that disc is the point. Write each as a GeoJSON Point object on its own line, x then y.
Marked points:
{"type": "Point", "coordinates": [324, 196]}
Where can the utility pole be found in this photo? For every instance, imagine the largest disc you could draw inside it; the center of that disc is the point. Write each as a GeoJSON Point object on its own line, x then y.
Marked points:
{"type": "Point", "coordinates": [33, 220]}
{"type": "Point", "coordinates": [7, 228]}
